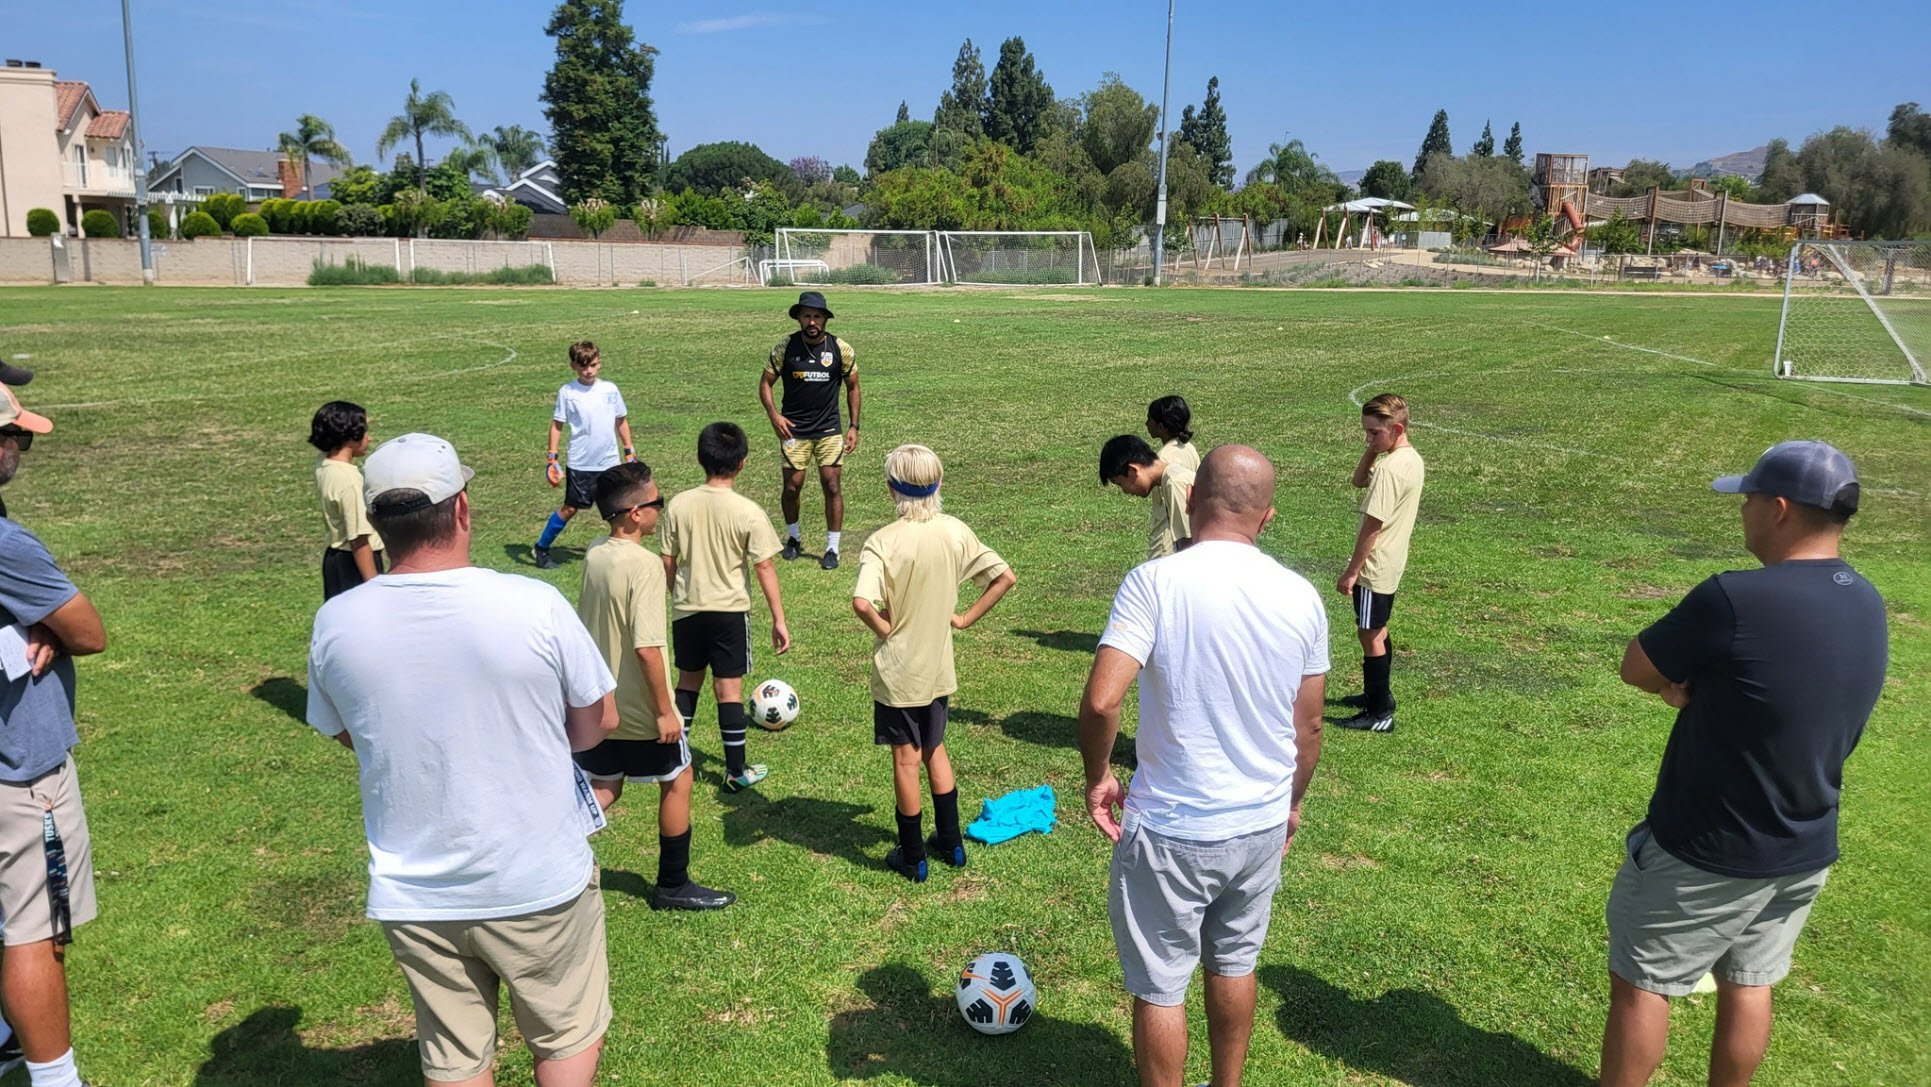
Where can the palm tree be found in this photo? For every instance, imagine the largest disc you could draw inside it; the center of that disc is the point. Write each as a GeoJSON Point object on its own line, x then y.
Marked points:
{"type": "Point", "coordinates": [516, 149]}
{"type": "Point", "coordinates": [433, 114]}
{"type": "Point", "coordinates": [312, 139]}
{"type": "Point", "coordinates": [475, 156]}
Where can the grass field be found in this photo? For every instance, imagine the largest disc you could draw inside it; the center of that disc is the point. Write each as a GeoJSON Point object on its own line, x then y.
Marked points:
{"type": "Point", "coordinates": [1440, 920]}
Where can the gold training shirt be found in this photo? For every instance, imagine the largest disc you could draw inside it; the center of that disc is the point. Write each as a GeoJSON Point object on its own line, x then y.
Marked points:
{"type": "Point", "coordinates": [623, 609]}
{"type": "Point", "coordinates": [715, 534]}
{"type": "Point", "coordinates": [1169, 511]}
{"type": "Point", "coordinates": [911, 570]}
{"type": "Point", "coordinates": [1182, 453]}
{"type": "Point", "coordinates": [338, 489]}
{"type": "Point", "coordinates": [1394, 494]}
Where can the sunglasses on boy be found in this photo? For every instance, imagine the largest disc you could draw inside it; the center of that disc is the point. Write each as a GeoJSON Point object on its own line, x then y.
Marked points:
{"type": "Point", "coordinates": [654, 504]}
{"type": "Point", "coordinates": [23, 439]}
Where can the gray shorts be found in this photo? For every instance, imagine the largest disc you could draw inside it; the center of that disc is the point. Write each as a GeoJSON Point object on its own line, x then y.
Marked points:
{"type": "Point", "coordinates": [1671, 922]}
{"type": "Point", "coordinates": [1176, 904]}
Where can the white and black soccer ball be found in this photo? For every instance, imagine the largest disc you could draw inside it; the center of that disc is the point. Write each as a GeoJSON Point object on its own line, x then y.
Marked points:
{"type": "Point", "coordinates": [996, 994]}
{"type": "Point", "coordinates": [774, 705]}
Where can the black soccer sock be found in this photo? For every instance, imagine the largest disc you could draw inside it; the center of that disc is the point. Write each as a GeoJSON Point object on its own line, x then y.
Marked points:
{"type": "Point", "coordinates": [673, 860]}
{"type": "Point", "coordinates": [686, 705]}
{"type": "Point", "coordinates": [1374, 681]}
{"type": "Point", "coordinates": [945, 818]}
{"type": "Point", "coordinates": [730, 725]}
{"type": "Point", "coordinates": [911, 843]}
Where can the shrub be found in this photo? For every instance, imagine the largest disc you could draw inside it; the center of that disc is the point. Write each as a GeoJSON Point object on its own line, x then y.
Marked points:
{"type": "Point", "coordinates": [298, 215]}
{"type": "Point", "coordinates": [157, 224]}
{"type": "Point", "coordinates": [358, 221]}
{"type": "Point", "coordinates": [42, 222]}
{"type": "Point", "coordinates": [350, 273]}
{"type": "Point", "coordinates": [222, 207]}
{"type": "Point", "coordinates": [275, 213]}
{"type": "Point", "coordinates": [528, 275]}
{"type": "Point", "coordinates": [199, 224]}
{"type": "Point", "coordinates": [873, 275]}
{"type": "Point", "coordinates": [250, 225]}
{"type": "Point", "coordinates": [325, 217]}
{"type": "Point", "coordinates": [513, 221]}
{"type": "Point", "coordinates": [100, 224]}
{"type": "Point", "coordinates": [594, 216]}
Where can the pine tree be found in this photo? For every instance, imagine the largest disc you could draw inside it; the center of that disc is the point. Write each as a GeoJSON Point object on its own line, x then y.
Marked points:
{"type": "Point", "coordinates": [959, 107]}
{"type": "Point", "coordinates": [1512, 147]}
{"type": "Point", "coordinates": [1018, 99]}
{"type": "Point", "coordinates": [904, 114]}
{"type": "Point", "coordinates": [1485, 147]}
{"type": "Point", "coordinates": [1206, 133]}
{"type": "Point", "coordinates": [1435, 143]}
{"type": "Point", "coordinates": [604, 134]}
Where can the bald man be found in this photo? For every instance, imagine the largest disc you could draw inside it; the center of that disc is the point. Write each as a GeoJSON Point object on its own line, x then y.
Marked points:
{"type": "Point", "coordinates": [1230, 651]}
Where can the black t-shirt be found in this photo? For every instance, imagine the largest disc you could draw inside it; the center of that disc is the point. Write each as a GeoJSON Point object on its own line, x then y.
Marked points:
{"type": "Point", "coordinates": [812, 378]}
{"type": "Point", "coordinates": [1784, 664]}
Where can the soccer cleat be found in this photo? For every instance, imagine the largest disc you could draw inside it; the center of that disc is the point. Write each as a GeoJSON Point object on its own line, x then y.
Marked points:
{"type": "Point", "coordinates": [1369, 721]}
{"type": "Point", "coordinates": [954, 856]}
{"type": "Point", "coordinates": [829, 562]}
{"type": "Point", "coordinates": [912, 870]}
{"type": "Point", "coordinates": [753, 774]}
{"type": "Point", "coordinates": [691, 896]}
{"type": "Point", "coordinates": [543, 559]}
{"type": "Point", "coordinates": [793, 547]}
{"type": "Point", "coordinates": [10, 1055]}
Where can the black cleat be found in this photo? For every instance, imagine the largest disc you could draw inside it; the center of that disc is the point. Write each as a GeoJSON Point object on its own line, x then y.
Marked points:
{"type": "Point", "coordinates": [793, 547]}
{"type": "Point", "coordinates": [914, 871]}
{"type": "Point", "coordinates": [691, 896]}
{"type": "Point", "coordinates": [543, 559]}
{"type": "Point", "coordinates": [829, 561]}
{"type": "Point", "coordinates": [954, 856]}
{"type": "Point", "coordinates": [1369, 721]}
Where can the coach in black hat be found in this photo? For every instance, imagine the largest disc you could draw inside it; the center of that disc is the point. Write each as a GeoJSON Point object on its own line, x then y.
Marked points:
{"type": "Point", "coordinates": [1774, 673]}
{"type": "Point", "coordinates": [812, 364]}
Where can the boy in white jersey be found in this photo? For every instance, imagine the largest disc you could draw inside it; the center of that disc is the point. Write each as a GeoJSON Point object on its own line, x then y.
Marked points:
{"type": "Point", "coordinates": [597, 419]}
{"type": "Point", "coordinates": [908, 586]}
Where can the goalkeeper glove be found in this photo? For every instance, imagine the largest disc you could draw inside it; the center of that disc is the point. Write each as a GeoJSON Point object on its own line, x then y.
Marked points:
{"type": "Point", "coordinates": [554, 471]}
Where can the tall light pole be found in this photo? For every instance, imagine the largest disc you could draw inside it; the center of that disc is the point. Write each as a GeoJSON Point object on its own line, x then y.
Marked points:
{"type": "Point", "coordinates": [1160, 205]}
{"type": "Point", "coordinates": [140, 157]}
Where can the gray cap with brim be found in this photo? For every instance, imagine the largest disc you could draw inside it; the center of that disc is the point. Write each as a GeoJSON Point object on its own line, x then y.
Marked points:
{"type": "Point", "coordinates": [1808, 473]}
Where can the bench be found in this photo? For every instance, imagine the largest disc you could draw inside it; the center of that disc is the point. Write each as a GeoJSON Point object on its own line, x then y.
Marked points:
{"type": "Point", "coordinates": [1642, 271]}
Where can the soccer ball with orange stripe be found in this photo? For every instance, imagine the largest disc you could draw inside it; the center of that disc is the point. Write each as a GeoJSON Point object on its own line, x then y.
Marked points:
{"type": "Point", "coordinates": [996, 994]}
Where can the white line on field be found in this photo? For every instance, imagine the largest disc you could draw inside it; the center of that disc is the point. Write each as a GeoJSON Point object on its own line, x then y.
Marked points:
{"type": "Point", "coordinates": [1355, 396]}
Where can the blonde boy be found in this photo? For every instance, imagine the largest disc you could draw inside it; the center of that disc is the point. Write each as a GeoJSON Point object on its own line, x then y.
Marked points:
{"type": "Point", "coordinates": [908, 585]}
{"type": "Point", "coordinates": [1380, 551]}
{"type": "Point", "coordinates": [622, 607]}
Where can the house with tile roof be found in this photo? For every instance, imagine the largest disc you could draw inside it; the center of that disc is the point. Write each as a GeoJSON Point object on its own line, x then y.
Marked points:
{"type": "Point", "coordinates": [60, 150]}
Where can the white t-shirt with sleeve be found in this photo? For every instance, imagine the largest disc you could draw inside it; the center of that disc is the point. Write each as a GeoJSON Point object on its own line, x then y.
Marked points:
{"type": "Point", "coordinates": [592, 412]}
{"type": "Point", "coordinates": [1224, 635]}
{"type": "Point", "coordinates": [453, 685]}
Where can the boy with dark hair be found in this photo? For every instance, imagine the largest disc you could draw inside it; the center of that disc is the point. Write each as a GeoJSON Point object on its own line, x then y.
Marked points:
{"type": "Point", "coordinates": [1380, 552]}
{"type": "Point", "coordinates": [1170, 422]}
{"type": "Point", "coordinates": [598, 418]}
{"type": "Point", "coordinates": [353, 554]}
{"type": "Point", "coordinates": [908, 586]}
{"type": "Point", "coordinates": [710, 534]}
{"type": "Point", "coordinates": [622, 607]}
{"type": "Point", "coordinates": [1128, 462]}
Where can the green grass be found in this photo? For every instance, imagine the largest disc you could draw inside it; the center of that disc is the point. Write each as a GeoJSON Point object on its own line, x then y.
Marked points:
{"type": "Point", "coordinates": [1440, 920]}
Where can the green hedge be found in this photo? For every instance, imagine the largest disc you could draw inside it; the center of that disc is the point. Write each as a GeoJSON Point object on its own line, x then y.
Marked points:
{"type": "Point", "coordinates": [222, 207]}
{"type": "Point", "coordinates": [352, 272]}
{"type": "Point", "coordinates": [42, 222]}
{"type": "Point", "coordinates": [100, 224]}
{"type": "Point", "coordinates": [250, 225]}
{"type": "Point", "coordinates": [199, 224]}
{"type": "Point", "coordinates": [157, 224]}
{"type": "Point", "coordinates": [861, 275]}
{"type": "Point", "coordinates": [1035, 275]}
{"type": "Point", "coordinates": [356, 272]}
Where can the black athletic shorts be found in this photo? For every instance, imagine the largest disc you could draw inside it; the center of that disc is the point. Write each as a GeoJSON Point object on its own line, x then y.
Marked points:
{"type": "Point", "coordinates": [635, 760]}
{"type": "Point", "coordinates": [339, 573]}
{"type": "Point", "coordinates": [921, 726]}
{"type": "Point", "coordinates": [580, 489]}
{"type": "Point", "coordinates": [714, 641]}
{"type": "Point", "coordinates": [1371, 608]}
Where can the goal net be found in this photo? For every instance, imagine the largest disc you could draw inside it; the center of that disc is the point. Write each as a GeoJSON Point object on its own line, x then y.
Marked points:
{"type": "Point", "coordinates": [991, 258]}
{"type": "Point", "coordinates": [851, 258]}
{"type": "Point", "coordinates": [1856, 311]}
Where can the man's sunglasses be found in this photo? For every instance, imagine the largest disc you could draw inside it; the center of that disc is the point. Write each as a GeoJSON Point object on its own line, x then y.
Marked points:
{"type": "Point", "coordinates": [24, 439]}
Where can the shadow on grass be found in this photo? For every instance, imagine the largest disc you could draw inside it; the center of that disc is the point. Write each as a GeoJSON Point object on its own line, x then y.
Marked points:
{"type": "Point", "coordinates": [1408, 1035]}
{"type": "Point", "coordinates": [826, 827]}
{"type": "Point", "coordinates": [625, 882]}
{"type": "Point", "coordinates": [908, 1032]}
{"type": "Point", "coordinates": [264, 1048]}
{"type": "Point", "coordinates": [1071, 641]}
{"type": "Point", "coordinates": [521, 554]}
{"type": "Point", "coordinates": [285, 694]}
{"type": "Point", "coordinates": [1048, 730]}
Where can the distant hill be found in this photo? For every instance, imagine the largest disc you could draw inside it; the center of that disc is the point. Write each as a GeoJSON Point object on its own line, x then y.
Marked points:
{"type": "Point", "coordinates": [1351, 177]}
{"type": "Point", "coordinates": [1744, 164]}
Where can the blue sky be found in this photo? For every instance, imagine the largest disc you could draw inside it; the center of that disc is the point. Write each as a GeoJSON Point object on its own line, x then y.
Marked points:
{"type": "Point", "coordinates": [820, 79]}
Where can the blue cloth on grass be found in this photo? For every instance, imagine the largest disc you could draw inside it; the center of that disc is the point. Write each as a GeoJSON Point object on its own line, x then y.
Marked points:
{"type": "Point", "coordinates": [1016, 813]}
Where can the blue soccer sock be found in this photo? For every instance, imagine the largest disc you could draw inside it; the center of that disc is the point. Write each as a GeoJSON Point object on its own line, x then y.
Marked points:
{"type": "Point", "coordinates": [551, 531]}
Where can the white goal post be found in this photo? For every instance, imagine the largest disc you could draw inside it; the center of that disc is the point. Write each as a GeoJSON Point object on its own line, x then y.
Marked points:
{"type": "Point", "coordinates": [1019, 257]}
{"type": "Point", "coordinates": [1857, 312]}
{"type": "Point", "coordinates": [852, 258]}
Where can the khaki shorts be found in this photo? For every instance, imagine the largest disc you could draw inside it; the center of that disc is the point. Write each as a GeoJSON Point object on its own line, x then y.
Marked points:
{"type": "Point", "coordinates": [1175, 903]}
{"type": "Point", "coordinates": [802, 453]}
{"type": "Point", "coordinates": [26, 910]}
{"type": "Point", "coordinates": [553, 962]}
{"type": "Point", "coordinates": [1671, 922]}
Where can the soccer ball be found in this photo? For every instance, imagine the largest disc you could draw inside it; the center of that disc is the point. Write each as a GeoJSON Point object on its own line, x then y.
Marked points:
{"type": "Point", "coordinates": [774, 705]}
{"type": "Point", "coordinates": [996, 994]}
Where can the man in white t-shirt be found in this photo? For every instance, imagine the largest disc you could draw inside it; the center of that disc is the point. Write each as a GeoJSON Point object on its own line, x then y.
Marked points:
{"type": "Point", "coordinates": [463, 692]}
{"type": "Point", "coordinates": [1230, 649]}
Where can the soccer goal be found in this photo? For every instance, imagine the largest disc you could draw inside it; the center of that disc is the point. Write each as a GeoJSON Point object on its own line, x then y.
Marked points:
{"type": "Point", "coordinates": [1856, 311]}
{"type": "Point", "coordinates": [997, 258]}
{"type": "Point", "coordinates": [852, 258]}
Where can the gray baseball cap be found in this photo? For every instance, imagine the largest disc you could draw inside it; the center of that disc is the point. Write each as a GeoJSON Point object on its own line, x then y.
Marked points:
{"type": "Point", "coordinates": [1808, 473]}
